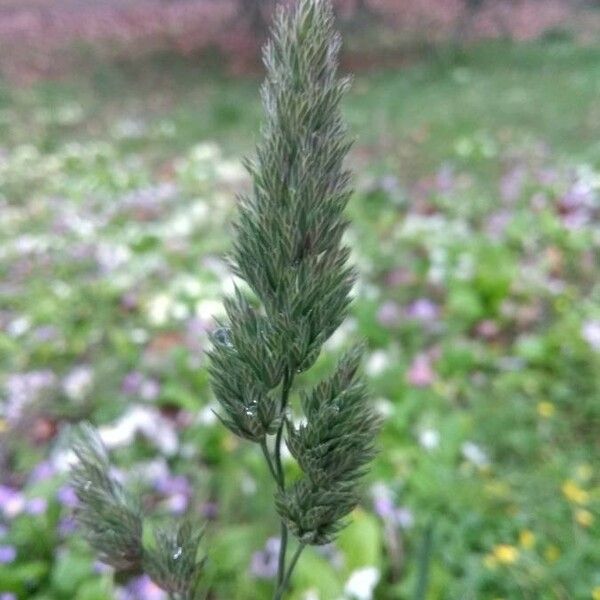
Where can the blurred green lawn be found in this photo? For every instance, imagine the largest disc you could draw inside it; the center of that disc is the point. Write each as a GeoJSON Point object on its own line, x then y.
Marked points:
{"type": "Point", "coordinates": [476, 230]}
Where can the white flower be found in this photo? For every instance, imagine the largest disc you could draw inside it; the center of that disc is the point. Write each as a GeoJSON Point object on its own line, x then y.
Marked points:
{"type": "Point", "coordinates": [473, 453]}
{"type": "Point", "coordinates": [590, 332]}
{"type": "Point", "coordinates": [78, 382]}
{"type": "Point", "coordinates": [377, 363]}
{"type": "Point", "coordinates": [206, 416]}
{"type": "Point", "coordinates": [18, 327]}
{"type": "Point", "coordinates": [179, 311]}
{"type": "Point", "coordinates": [248, 486]}
{"type": "Point", "coordinates": [139, 336]}
{"type": "Point", "coordinates": [158, 309]}
{"type": "Point", "coordinates": [429, 439]}
{"type": "Point", "coordinates": [207, 309]}
{"type": "Point", "coordinates": [205, 151]}
{"type": "Point", "coordinates": [362, 583]}
{"type": "Point", "coordinates": [230, 171]}
{"type": "Point", "coordinates": [146, 421]}
{"type": "Point", "coordinates": [384, 407]}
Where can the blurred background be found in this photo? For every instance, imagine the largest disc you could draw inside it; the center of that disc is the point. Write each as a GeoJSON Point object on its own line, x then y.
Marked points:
{"type": "Point", "coordinates": [476, 230]}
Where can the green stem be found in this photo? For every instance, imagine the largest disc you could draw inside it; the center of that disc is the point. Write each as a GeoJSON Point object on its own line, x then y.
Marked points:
{"type": "Point", "coordinates": [263, 445]}
{"type": "Point", "coordinates": [282, 553]}
{"type": "Point", "coordinates": [285, 394]}
{"type": "Point", "coordinates": [286, 580]}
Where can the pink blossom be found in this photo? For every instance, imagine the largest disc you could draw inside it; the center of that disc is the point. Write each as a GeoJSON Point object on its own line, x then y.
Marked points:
{"type": "Point", "coordinates": [389, 314]}
{"type": "Point", "coordinates": [421, 373]}
{"type": "Point", "coordinates": [423, 309]}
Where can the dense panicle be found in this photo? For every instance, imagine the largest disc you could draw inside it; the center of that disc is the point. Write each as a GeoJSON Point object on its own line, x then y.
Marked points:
{"type": "Point", "coordinates": [289, 250]}
{"type": "Point", "coordinates": [288, 245]}
{"type": "Point", "coordinates": [333, 448]}
{"type": "Point", "coordinates": [110, 518]}
{"type": "Point", "coordinates": [112, 522]}
{"type": "Point", "coordinates": [173, 564]}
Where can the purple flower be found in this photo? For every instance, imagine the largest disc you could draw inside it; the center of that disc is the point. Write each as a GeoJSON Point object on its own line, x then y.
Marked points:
{"type": "Point", "coordinates": [389, 184]}
{"type": "Point", "coordinates": [172, 484]}
{"type": "Point", "coordinates": [42, 471]}
{"type": "Point", "coordinates": [177, 491]}
{"type": "Point", "coordinates": [386, 508]}
{"type": "Point", "coordinates": [332, 554]}
{"type": "Point", "coordinates": [45, 333]}
{"type": "Point", "coordinates": [445, 179]}
{"type": "Point", "coordinates": [12, 502]}
{"type": "Point", "coordinates": [24, 388]}
{"type": "Point", "coordinates": [67, 497]}
{"type": "Point", "coordinates": [264, 563]}
{"type": "Point", "coordinates": [142, 588]}
{"type": "Point", "coordinates": [7, 554]}
{"type": "Point", "coordinates": [423, 309]}
{"type": "Point", "coordinates": [131, 382]}
{"type": "Point", "coordinates": [67, 526]}
{"type": "Point", "coordinates": [177, 503]}
{"type": "Point", "coordinates": [7, 596]}
{"type": "Point", "coordinates": [210, 510]}
{"type": "Point", "coordinates": [404, 517]}
{"type": "Point", "coordinates": [389, 314]}
{"type": "Point", "coordinates": [137, 384]}
{"type": "Point", "coordinates": [149, 390]}
{"type": "Point", "coordinates": [36, 506]}
{"type": "Point", "coordinates": [101, 568]}
{"type": "Point", "coordinates": [497, 223]}
{"type": "Point", "coordinates": [511, 185]}
{"type": "Point", "coordinates": [576, 205]}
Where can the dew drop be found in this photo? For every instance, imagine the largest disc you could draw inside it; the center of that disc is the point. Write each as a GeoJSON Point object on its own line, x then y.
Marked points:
{"type": "Point", "coordinates": [178, 552]}
{"type": "Point", "coordinates": [87, 486]}
{"type": "Point", "coordinates": [223, 336]}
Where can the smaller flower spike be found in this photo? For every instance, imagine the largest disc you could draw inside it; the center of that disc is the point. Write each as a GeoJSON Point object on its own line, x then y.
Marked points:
{"type": "Point", "coordinates": [110, 518]}
{"type": "Point", "coordinates": [112, 522]}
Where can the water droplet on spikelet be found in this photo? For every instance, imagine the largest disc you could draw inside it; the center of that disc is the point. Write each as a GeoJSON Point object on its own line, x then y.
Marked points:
{"type": "Point", "coordinates": [223, 336]}
{"type": "Point", "coordinates": [178, 552]}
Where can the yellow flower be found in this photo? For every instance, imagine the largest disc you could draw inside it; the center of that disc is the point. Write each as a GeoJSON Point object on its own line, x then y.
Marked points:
{"type": "Point", "coordinates": [584, 517]}
{"type": "Point", "coordinates": [505, 554]}
{"type": "Point", "coordinates": [574, 493]}
{"type": "Point", "coordinates": [527, 539]}
{"type": "Point", "coordinates": [545, 409]}
{"type": "Point", "coordinates": [596, 593]}
{"type": "Point", "coordinates": [552, 553]}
